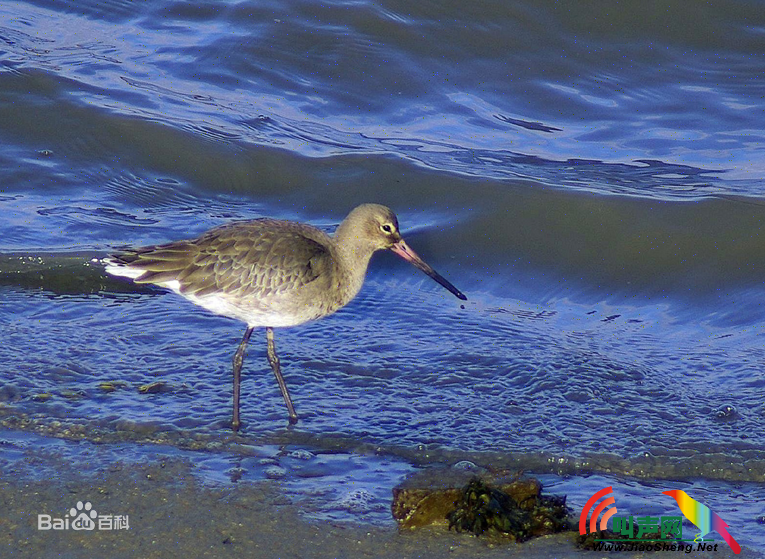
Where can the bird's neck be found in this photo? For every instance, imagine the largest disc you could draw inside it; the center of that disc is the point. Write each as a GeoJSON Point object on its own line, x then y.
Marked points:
{"type": "Point", "coordinates": [352, 259]}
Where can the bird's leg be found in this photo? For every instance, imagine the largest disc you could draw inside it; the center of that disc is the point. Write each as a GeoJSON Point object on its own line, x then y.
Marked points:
{"type": "Point", "coordinates": [274, 360]}
{"type": "Point", "coordinates": [238, 360]}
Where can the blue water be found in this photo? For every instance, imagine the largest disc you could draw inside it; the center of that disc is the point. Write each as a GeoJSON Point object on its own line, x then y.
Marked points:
{"type": "Point", "coordinates": [591, 176]}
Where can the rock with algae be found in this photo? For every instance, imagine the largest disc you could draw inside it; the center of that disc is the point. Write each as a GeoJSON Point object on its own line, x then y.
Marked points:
{"type": "Point", "coordinates": [509, 509]}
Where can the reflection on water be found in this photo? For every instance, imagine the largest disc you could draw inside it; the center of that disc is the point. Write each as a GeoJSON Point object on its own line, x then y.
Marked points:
{"type": "Point", "coordinates": [561, 380]}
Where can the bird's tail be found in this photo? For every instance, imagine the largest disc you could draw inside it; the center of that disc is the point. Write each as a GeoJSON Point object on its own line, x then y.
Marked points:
{"type": "Point", "coordinates": [722, 528]}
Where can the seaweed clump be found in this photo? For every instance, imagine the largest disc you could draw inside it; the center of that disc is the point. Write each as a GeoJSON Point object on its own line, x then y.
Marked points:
{"type": "Point", "coordinates": [512, 510]}
{"type": "Point", "coordinates": [520, 513]}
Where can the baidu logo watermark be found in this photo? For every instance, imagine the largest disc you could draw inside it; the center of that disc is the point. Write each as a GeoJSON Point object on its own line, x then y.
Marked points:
{"type": "Point", "coordinates": [83, 517]}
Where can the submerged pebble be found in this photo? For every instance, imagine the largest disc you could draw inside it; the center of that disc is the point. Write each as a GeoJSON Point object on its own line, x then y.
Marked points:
{"type": "Point", "coordinates": [726, 412]}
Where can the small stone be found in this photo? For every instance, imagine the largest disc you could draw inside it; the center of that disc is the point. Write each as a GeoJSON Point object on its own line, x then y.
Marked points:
{"type": "Point", "coordinates": [154, 388]}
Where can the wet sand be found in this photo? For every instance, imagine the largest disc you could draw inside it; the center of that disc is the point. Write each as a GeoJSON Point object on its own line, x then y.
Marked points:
{"type": "Point", "coordinates": [171, 515]}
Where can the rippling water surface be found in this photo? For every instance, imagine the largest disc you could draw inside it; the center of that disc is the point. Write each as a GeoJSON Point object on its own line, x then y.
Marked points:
{"type": "Point", "coordinates": [591, 176]}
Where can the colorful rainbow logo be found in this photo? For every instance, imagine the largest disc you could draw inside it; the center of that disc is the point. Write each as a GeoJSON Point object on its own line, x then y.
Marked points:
{"type": "Point", "coordinates": [702, 517]}
{"type": "Point", "coordinates": [603, 504]}
{"type": "Point", "coordinates": [696, 512]}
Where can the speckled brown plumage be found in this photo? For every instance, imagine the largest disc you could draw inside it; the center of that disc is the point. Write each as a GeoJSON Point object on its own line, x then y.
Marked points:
{"type": "Point", "coordinates": [258, 267]}
{"type": "Point", "coordinates": [271, 273]}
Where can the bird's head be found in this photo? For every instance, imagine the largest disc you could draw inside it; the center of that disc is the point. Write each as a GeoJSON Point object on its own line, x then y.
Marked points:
{"type": "Point", "coordinates": [375, 227]}
{"type": "Point", "coordinates": [678, 495]}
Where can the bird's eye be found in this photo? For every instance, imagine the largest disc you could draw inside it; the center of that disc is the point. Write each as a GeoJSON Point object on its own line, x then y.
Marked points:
{"type": "Point", "coordinates": [387, 228]}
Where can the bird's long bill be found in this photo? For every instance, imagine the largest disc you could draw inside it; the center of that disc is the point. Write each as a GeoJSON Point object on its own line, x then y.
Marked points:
{"type": "Point", "coordinates": [403, 250]}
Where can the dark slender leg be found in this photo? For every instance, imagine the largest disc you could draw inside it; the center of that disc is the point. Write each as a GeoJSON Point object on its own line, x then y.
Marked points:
{"type": "Point", "coordinates": [238, 360]}
{"type": "Point", "coordinates": [274, 360]}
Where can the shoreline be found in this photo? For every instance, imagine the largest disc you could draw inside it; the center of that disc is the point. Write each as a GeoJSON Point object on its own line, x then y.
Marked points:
{"type": "Point", "coordinates": [170, 514]}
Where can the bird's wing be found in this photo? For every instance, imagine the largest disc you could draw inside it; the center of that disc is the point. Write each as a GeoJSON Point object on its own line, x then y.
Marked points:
{"type": "Point", "coordinates": [260, 258]}
{"type": "Point", "coordinates": [702, 517]}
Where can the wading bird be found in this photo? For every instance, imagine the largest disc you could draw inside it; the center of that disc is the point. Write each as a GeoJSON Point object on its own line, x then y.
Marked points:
{"type": "Point", "coordinates": [271, 273]}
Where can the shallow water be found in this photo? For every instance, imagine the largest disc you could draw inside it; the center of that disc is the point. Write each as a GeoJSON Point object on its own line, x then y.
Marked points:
{"type": "Point", "coordinates": [591, 178]}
